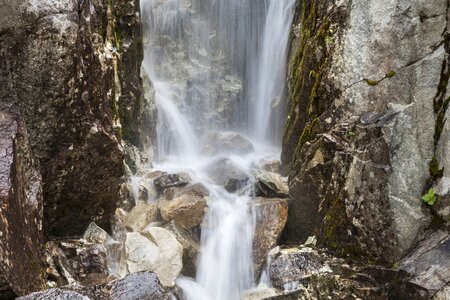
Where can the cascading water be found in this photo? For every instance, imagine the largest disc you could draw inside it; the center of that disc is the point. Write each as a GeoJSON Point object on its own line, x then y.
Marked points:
{"type": "Point", "coordinates": [217, 65]}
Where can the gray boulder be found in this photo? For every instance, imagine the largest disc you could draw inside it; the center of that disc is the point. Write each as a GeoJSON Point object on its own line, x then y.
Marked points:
{"type": "Point", "coordinates": [165, 181]}
{"type": "Point", "coordinates": [269, 184]}
{"type": "Point", "coordinates": [223, 169]}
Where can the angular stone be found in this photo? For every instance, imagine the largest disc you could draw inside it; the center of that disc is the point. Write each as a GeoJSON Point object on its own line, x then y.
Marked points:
{"type": "Point", "coordinates": [21, 237]}
{"type": "Point", "coordinates": [156, 250]}
{"type": "Point", "coordinates": [430, 262]}
{"type": "Point", "coordinates": [95, 234]}
{"type": "Point", "coordinates": [191, 248]}
{"type": "Point", "coordinates": [216, 142]}
{"type": "Point", "coordinates": [293, 265]}
{"type": "Point", "coordinates": [141, 285]}
{"type": "Point", "coordinates": [271, 216]}
{"type": "Point", "coordinates": [259, 294]}
{"type": "Point", "coordinates": [271, 166]}
{"type": "Point", "coordinates": [269, 184]}
{"type": "Point", "coordinates": [171, 180]}
{"type": "Point", "coordinates": [142, 215]}
{"type": "Point", "coordinates": [187, 211]}
{"type": "Point", "coordinates": [197, 189]}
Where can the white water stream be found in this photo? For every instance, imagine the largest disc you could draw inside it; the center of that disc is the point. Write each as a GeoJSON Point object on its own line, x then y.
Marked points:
{"type": "Point", "coordinates": [217, 65]}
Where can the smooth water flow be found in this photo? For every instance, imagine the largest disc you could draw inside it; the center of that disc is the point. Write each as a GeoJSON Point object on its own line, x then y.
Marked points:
{"type": "Point", "coordinates": [217, 66]}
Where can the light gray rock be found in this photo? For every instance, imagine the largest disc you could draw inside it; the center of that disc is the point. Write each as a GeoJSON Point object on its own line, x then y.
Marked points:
{"type": "Point", "coordinates": [142, 215]}
{"type": "Point", "coordinates": [224, 169]}
{"type": "Point", "coordinates": [139, 286]}
{"type": "Point", "coordinates": [55, 294]}
{"type": "Point", "coordinates": [382, 65]}
{"type": "Point", "coordinates": [156, 250]}
{"type": "Point", "coordinates": [430, 262]}
{"type": "Point", "coordinates": [269, 184]}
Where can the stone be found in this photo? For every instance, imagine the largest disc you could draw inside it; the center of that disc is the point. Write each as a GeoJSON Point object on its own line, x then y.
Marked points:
{"type": "Point", "coordinates": [171, 180]}
{"type": "Point", "coordinates": [429, 263]}
{"type": "Point", "coordinates": [21, 237]}
{"type": "Point", "coordinates": [55, 294]}
{"type": "Point", "coordinates": [95, 234]}
{"type": "Point", "coordinates": [271, 216]}
{"type": "Point", "coordinates": [443, 294]}
{"type": "Point", "coordinates": [222, 170]}
{"type": "Point", "coordinates": [216, 142]}
{"type": "Point", "coordinates": [77, 262]}
{"type": "Point", "coordinates": [235, 185]}
{"type": "Point", "coordinates": [186, 210]}
{"type": "Point", "coordinates": [259, 293]}
{"type": "Point", "coordinates": [356, 147]}
{"type": "Point", "coordinates": [293, 265]}
{"type": "Point", "coordinates": [191, 248]}
{"type": "Point", "coordinates": [137, 286]}
{"type": "Point", "coordinates": [156, 250]}
{"type": "Point", "coordinates": [198, 190]}
{"type": "Point", "coordinates": [142, 215]}
{"type": "Point", "coordinates": [142, 189]}
{"type": "Point", "coordinates": [269, 184]}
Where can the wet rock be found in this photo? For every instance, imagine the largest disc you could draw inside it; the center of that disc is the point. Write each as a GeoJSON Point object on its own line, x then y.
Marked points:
{"type": "Point", "coordinates": [271, 216]}
{"type": "Point", "coordinates": [293, 265]}
{"type": "Point", "coordinates": [156, 250]}
{"type": "Point", "coordinates": [430, 262]}
{"type": "Point", "coordinates": [269, 184]}
{"type": "Point", "coordinates": [198, 190]}
{"type": "Point", "coordinates": [77, 262]}
{"type": "Point", "coordinates": [191, 248]}
{"type": "Point", "coordinates": [143, 189]}
{"type": "Point", "coordinates": [137, 286]}
{"type": "Point", "coordinates": [187, 210]}
{"type": "Point", "coordinates": [171, 180]}
{"type": "Point", "coordinates": [95, 234]}
{"type": "Point", "coordinates": [142, 215]}
{"type": "Point", "coordinates": [224, 169]}
{"type": "Point", "coordinates": [234, 185]}
{"type": "Point", "coordinates": [55, 294]}
{"type": "Point", "coordinates": [21, 237]}
{"type": "Point", "coordinates": [216, 142]}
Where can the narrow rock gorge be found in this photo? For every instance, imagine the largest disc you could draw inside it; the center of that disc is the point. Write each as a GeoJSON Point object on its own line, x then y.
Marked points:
{"type": "Point", "coordinates": [224, 150]}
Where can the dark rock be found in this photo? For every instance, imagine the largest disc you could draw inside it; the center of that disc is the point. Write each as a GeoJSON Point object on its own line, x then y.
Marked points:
{"type": "Point", "coordinates": [63, 58]}
{"type": "Point", "coordinates": [21, 237]}
{"type": "Point", "coordinates": [77, 262]}
{"type": "Point", "coordinates": [233, 185]}
{"type": "Point", "coordinates": [55, 294]}
{"type": "Point", "coordinates": [293, 265]}
{"type": "Point", "coordinates": [171, 180]}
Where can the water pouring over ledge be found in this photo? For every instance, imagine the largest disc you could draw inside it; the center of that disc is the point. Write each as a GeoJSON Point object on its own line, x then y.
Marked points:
{"type": "Point", "coordinates": [217, 65]}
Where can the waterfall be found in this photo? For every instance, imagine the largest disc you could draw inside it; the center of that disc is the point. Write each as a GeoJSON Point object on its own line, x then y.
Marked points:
{"type": "Point", "coordinates": [217, 65]}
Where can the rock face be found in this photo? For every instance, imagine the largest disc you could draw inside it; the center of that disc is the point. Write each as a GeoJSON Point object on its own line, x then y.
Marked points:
{"type": "Point", "coordinates": [271, 216]}
{"type": "Point", "coordinates": [156, 250]}
{"type": "Point", "coordinates": [73, 70]}
{"type": "Point", "coordinates": [367, 99]}
{"type": "Point", "coordinates": [21, 238]}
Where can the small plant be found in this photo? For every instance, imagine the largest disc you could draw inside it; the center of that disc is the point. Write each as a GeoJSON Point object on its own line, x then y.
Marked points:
{"type": "Point", "coordinates": [429, 198]}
